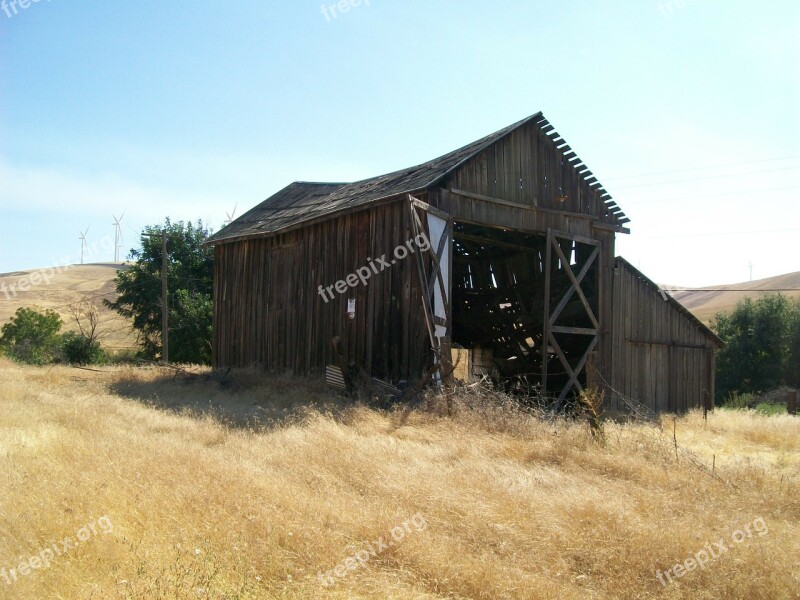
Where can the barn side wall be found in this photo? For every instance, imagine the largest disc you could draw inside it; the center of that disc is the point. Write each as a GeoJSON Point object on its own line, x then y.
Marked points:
{"type": "Point", "coordinates": [268, 312]}
{"type": "Point", "coordinates": [661, 357]}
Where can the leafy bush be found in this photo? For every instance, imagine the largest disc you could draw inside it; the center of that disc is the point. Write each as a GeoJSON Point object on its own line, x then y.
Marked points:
{"type": "Point", "coordinates": [762, 348]}
{"type": "Point", "coordinates": [768, 409]}
{"type": "Point", "coordinates": [190, 327]}
{"type": "Point", "coordinates": [31, 336]}
{"type": "Point", "coordinates": [737, 400]}
{"type": "Point", "coordinates": [124, 356]}
{"type": "Point", "coordinates": [76, 348]}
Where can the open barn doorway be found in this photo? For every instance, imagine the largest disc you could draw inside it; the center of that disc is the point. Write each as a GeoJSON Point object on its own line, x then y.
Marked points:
{"type": "Point", "coordinates": [524, 308]}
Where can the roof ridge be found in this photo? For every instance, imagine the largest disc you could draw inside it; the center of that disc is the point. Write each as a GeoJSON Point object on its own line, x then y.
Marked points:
{"type": "Point", "coordinates": [289, 207]}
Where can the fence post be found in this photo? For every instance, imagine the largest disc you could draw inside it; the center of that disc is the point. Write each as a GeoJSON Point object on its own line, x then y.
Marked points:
{"type": "Point", "coordinates": [791, 402]}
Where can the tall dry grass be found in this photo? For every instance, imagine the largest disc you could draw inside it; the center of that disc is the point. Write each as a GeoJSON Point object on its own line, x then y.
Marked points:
{"type": "Point", "coordinates": [251, 494]}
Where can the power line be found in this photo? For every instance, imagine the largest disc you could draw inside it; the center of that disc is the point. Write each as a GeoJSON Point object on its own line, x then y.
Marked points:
{"type": "Point", "coordinates": [669, 182]}
{"type": "Point", "coordinates": [672, 289]}
{"type": "Point", "coordinates": [721, 194]}
{"type": "Point", "coordinates": [716, 233]}
{"type": "Point", "coordinates": [734, 164]}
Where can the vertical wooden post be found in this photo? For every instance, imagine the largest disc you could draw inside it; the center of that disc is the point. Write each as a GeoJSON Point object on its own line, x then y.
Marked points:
{"type": "Point", "coordinates": [546, 325]}
{"type": "Point", "coordinates": [791, 402]}
{"type": "Point", "coordinates": [164, 302]}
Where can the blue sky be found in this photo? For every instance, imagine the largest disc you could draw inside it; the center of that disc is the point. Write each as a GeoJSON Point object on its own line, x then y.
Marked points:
{"type": "Point", "coordinates": [686, 110]}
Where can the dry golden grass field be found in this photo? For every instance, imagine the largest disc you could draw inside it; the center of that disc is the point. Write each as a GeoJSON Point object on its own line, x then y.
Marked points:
{"type": "Point", "coordinates": [59, 288]}
{"type": "Point", "coordinates": [253, 487]}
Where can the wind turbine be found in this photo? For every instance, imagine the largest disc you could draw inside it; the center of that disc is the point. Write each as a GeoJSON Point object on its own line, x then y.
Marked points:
{"type": "Point", "coordinates": [117, 235]}
{"type": "Point", "coordinates": [750, 264]}
{"type": "Point", "coordinates": [84, 245]}
{"type": "Point", "coordinates": [230, 215]}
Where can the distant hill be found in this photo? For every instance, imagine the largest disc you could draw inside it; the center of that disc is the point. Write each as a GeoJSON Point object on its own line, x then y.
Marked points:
{"type": "Point", "coordinates": [706, 304]}
{"type": "Point", "coordinates": [69, 284]}
{"type": "Point", "coordinates": [60, 287]}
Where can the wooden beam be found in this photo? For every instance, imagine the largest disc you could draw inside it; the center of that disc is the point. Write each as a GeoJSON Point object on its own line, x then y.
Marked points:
{"type": "Point", "coordinates": [573, 330]}
{"type": "Point", "coordinates": [490, 242]}
{"type": "Point", "coordinates": [576, 238]}
{"type": "Point", "coordinates": [567, 213]}
{"type": "Point", "coordinates": [665, 343]}
{"type": "Point", "coordinates": [490, 199]}
{"type": "Point", "coordinates": [416, 225]}
{"type": "Point", "coordinates": [576, 284]}
{"type": "Point", "coordinates": [546, 321]}
{"type": "Point", "coordinates": [427, 207]}
{"type": "Point", "coordinates": [573, 380]}
{"type": "Point", "coordinates": [610, 227]}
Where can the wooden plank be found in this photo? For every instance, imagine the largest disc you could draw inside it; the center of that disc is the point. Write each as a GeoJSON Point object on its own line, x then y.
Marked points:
{"type": "Point", "coordinates": [610, 227]}
{"type": "Point", "coordinates": [492, 242]}
{"type": "Point", "coordinates": [546, 316]}
{"type": "Point", "coordinates": [573, 330]}
{"type": "Point", "coordinates": [576, 284]}
{"type": "Point", "coordinates": [427, 207]}
{"type": "Point", "coordinates": [490, 199]}
{"type": "Point", "coordinates": [664, 343]}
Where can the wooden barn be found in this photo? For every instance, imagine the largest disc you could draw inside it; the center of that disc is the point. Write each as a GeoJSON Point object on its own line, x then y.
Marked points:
{"type": "Point", "coordinates": [495, 258]}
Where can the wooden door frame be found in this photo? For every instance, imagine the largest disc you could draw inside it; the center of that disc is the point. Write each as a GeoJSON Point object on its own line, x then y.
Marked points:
{"type": "Point", "coordinates": [550, 317]}
{"type": "Point", "coordinates": [434, 281]}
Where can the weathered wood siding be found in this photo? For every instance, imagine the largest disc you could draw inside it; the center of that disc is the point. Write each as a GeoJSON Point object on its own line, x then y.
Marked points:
{"type": "Point", "coordinates": [531, 168]}
{"type": "Point", "coordinates": [661, 357]}
{"type": "Point", "coordinates": [268, 312]}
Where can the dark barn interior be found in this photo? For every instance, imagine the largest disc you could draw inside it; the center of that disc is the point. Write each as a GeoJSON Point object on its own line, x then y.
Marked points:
{"type": "Point", "coordinates": [499, 300]}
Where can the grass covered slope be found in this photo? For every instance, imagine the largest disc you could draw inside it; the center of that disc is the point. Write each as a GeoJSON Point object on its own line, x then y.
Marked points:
{"type": "Point", "coordinates": [706, 304]}
{"type": "Point", "coordinates": [259, 502]}
{"type": "Point", "coordinates": [60, 288]}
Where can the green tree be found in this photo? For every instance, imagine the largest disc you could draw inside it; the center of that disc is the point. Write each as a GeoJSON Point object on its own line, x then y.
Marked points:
{"type": "Point", "coordinates": [190, 275]}
{"type": "Point", "coordinates": [792, 375]}
{"type": "Point", "coordinates": [32, 336]}
{"type": "Point", "coordinates": [762, 345]}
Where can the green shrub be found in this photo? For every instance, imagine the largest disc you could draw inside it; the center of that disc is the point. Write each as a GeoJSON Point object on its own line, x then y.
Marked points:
{"type": "Point", "coordinates": [768, 409]}
{"type": "Point", "coordinates": [77, 348]}
{"type": "Point", "coordinates": [737, 400]}
{"type": "Point", "coordinates": [31, 336]}
{"type": "Point", "coordinates": [125, 356]}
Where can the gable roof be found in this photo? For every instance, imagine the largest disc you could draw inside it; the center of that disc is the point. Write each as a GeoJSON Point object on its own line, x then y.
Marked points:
{"type": "Point", "coordinates": [301, 202]}
{"type": "Point", "coordinates": [621, 262]}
